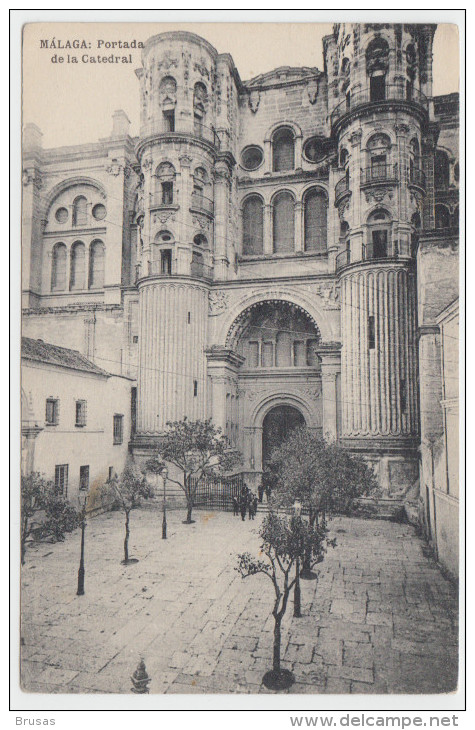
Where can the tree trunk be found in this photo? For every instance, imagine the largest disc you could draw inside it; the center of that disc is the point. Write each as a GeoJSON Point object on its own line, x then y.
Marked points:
{"type": "Point", "coordinates": [277, 640]}
{"type": "Point", "coordinates": [126, 541]}
{"type": "Point", "coordinates": [24, 535]}
{"type": "Point", "coordinates": [188, 513]}
{"type": "Point", "coordinates": [307, 561]}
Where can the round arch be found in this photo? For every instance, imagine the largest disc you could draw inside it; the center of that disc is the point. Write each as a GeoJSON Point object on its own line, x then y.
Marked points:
{"type": "Point", "coordinates": [294, 128]}
{"type": "Point", "coordinates": [305, 302]}
{"type": "Point", "coordinates": [70, 183]}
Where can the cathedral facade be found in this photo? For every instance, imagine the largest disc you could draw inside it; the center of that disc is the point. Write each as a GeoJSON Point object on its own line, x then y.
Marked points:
{"type": "Point", "coordinates": [264, 253]}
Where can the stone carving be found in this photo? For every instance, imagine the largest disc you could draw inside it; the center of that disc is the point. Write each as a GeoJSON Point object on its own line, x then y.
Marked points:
{"type": "Point", "coordinates": [167, 62]}
{"type": "Point", "coordinates": [254, 100]}
{"type": "Point", "coordinates": [200, 66]}
{"type": "Point", "coordinates": [115, 168]}
{"type": "Point", "coordinates": [401, 129]}
{"type": "Point", "coordinates": [355, 137]}
{"type": "Point", "coordinates": [201, 221]}
{"type": "Point", "coordinates": [162, 217]}
{"type": "Point", "coordinates": [147, 163]}
{"type": "Point", "coordinates": [185, 160]}
{"type": "Point", "coordinates": [32, 177]}
{"type": "Point", "coordinates": [378, 195]}
{"type": "Point", "coordinates": [217, 303]}
{"type": "Point", "coordinates": [330, 293]}
{"type": "Point", "coordinates": [312, 90]}
{"type": "Point", "coordinates": [344, 206]}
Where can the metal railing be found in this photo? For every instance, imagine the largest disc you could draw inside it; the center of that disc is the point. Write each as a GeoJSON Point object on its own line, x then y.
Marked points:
{"type": "Point", "coordinates": [201, 131]}
{"type": "Point", "coordinates": [394, 250]}
{"type": "Point", "coordinates": [378, 174]}
{"type": "Point", "coordinates": [217, 493]}
{"type": "Point", "coordinates": [202, 203]}
{"type": "Point", "coordinates": [392, 92]}
{"type": "Point", "coordinates": [417, 177]}
{"type": "Point", "coordinates": [157, 268]}
{"type": "Point", "coordinates": [342, 187]}
{"type": "Point", "coordinates": [157, 201]}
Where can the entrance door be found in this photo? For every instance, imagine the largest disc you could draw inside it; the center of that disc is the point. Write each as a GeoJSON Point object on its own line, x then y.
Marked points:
{"type": "Point", "coordinates": [278, 424]}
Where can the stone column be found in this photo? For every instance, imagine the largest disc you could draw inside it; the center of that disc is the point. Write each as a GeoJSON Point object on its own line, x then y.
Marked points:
{"type": "Point", "coordinates": [299, 242]}
{"type": "Point", "coordinates": [223, 369]}
{"type": "Point", "coordinates": [268, 242]}
{"type": "Point", "coordinates": [331, 366]}
{"type": "Point", "coordinates": [222, 184]}
{"type": "Point", "coordinates": [118, 171]}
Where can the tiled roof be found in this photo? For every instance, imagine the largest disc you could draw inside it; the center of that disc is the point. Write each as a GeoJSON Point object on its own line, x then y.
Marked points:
{"type": "Point", "coordinates": [53, 355]}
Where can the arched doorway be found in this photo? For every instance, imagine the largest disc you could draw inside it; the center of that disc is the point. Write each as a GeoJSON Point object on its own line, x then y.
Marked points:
{"type": "Point", "coordinates": [278, 423]}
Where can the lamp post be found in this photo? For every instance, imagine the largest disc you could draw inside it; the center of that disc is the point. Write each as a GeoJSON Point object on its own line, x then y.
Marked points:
{"type": "Point", "coordinates": [297, 508]}
{"type": "Point", "coordinates": [164, 474]}
{"type": "Point", "coordinates": [82, 499]}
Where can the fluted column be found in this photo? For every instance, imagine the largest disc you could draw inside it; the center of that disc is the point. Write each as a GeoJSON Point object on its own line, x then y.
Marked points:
{"type": "Point", "coordinates": [331, 366]}
{"type": "Point", "coordinates": [172, 371]}
{"type": "Point", "coordinates": [379, 383]}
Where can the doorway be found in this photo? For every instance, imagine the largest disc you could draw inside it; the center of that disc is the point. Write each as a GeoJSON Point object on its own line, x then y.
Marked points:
{"type": "Point", "coordinates": [276, 428]}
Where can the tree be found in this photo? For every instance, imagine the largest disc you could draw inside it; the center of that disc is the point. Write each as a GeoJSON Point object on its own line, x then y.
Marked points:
{"type": "Point", "coordinates": [44, 512]}
{"type": "Point", "coordinates": [127, 493]}
{"type": "Point", "coordinates": [284, 541]}
{"type": "Point", "coordinates": [196, 448]}
{"type": "Point", "coordinates": [323, 476]}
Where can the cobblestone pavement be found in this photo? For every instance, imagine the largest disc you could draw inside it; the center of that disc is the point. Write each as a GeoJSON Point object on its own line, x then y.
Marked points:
{"type": "Point", "coordinates": [380, 619]}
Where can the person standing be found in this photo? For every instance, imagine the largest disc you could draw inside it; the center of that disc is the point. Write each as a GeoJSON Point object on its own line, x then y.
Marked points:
{"type": "Point", "coordinates": [243, 502]}
{"type": "Point", "coordinates": [260, 492]}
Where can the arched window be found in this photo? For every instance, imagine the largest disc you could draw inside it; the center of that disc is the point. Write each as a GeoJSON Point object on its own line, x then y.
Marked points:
{"type": "Point", "coordinates": [96, 265]}
{"type": "Point", "coordinates": [197, 264]}
{"type": "Point", "coordinates": [283, 150]}
{"type": "Point", "coordinates": [58, 269]}
{"type": "Point", "coordinates": [379, 148]}
{"type": "Point", "coordinates": [200, 101]}
{"type": "Point", "coordinates": [168, 102]}
{"type": "Point", "coordinates": [377, 65]}
{"type": "Point", "coordinates": [200, 240]}
{"type": "Point", "coordinates": [442, 216]}
{"type": "Point", "coordinates": [414, 157]}
{"type": "Point", "coordinates": [283, 222]}
{"type": "Point", "coordinates": [80, 211]}
{"type": "Point", "coordinates": [252, 226]}
{"type": "Point", "coordinates": [315, 221]}
{"type": "Point", "coordinates": [379, 235]}
{"type": "Point", "coordinates": [77, 279]}
{"type": "Point", "coordinates": [165, 176]}
{"type": "Point", "coordinates": [344, 156]}
{"type": "Point", "coordinates": [441, 170]}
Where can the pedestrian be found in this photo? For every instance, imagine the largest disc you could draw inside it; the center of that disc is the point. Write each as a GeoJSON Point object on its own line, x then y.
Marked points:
{"type": "Point", "coordinates": [235, 507]}
{"type": "Point", "coordinates": [260, 492]}
{"type": "Point", "coordinates": [250, 505]}
{"type": "Point", "coordinates": [243, 502]}
{"type": "Point", "coordinates": [268, 492]}
{"type": "Point", "coordinates": [254, 506]}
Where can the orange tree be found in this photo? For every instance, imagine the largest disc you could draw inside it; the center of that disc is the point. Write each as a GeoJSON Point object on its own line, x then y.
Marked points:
{"type": "Point", "coordinates": [127, 492]}
{"type": "Point", "coordinates": [284, 541]}
{"type": "Point", "coordinates": [323, 476]}
{"type": "Point", "coordinates": [44, 512]}
{"type": "Point", "coordinates": [195, 448]}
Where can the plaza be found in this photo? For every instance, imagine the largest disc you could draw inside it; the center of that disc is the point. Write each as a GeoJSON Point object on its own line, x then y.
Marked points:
{"type": "Point", "coordinates": [381, 618]}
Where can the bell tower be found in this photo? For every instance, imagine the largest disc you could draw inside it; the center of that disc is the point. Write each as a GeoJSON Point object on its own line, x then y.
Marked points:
{"type": "Point", "coordinates": [379, 79]}
{"type": "Point", "coordinates": [186, 170]}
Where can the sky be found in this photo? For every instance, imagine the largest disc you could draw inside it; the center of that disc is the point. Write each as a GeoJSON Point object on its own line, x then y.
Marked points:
{"type": "Point", "coordinates": [73, 103]}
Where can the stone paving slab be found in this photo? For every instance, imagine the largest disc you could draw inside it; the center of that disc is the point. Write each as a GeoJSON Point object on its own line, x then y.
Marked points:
{"type": "Point", "coordinates": [381, 618]}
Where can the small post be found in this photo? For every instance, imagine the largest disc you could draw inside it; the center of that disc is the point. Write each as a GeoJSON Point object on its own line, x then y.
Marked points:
{"type": "Point", "coordinates": [140, 679]}
{"type": "Point", "coordinates": [297, 595]}
{"type": "Point", "coordinates": [164, 473]}
{"type": "Point", "coordinates": [81, 572]}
